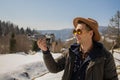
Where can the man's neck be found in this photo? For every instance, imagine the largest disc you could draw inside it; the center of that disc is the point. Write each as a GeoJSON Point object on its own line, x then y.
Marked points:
{"type": "Point", "coordinates": [87, 46]}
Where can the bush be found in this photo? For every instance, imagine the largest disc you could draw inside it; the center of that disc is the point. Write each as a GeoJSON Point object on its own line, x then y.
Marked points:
{"type": "Point", "coordinates": [35, 46]}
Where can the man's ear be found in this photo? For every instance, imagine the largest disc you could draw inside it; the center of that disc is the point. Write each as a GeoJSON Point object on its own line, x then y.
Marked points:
{"type": "Point", "coordinates": [91, 33]}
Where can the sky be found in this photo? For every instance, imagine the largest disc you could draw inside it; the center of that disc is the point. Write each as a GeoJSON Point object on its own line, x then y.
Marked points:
{"type": "Point", "coordinates": [56, 14]}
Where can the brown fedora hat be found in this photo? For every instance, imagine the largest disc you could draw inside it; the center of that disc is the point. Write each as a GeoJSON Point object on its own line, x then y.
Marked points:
{"type": "Point", "coordinates": [92, 23]}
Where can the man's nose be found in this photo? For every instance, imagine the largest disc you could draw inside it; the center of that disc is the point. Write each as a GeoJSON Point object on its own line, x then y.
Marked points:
{"type": "Point", "coordinates": [77, 35]}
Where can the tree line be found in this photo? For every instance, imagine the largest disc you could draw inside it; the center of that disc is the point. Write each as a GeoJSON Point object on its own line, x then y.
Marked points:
{"type": "Point", "coordinates": [8, 28]}
{"type": "Point", "coordinates": [14, 39]}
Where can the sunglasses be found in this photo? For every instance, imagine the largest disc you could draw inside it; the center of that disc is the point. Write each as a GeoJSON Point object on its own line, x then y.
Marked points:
{"type": "Point", "coordinates": [77, 32]}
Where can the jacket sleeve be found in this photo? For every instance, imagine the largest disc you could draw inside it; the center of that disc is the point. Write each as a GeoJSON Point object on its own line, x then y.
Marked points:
{"type": "Point", "coordinates": [54, 65]}
{"type": "Point", "coordinates": [110, 68]}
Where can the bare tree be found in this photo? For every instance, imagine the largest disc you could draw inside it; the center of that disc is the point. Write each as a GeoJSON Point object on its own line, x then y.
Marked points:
{"type": "Point", "coordinates": [115, 24]}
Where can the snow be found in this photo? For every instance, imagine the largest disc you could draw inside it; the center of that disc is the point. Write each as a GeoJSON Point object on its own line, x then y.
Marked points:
{"type": "Point", "coordinates": [21, 66]}
{"type": "Point", "coordinates": [117, 57]}
{"type": "Point", "coordinates": [15, 60]}
{"type": "Point", "coordinates": [67, 40]}
{"type": "Point", "coordinates": [51, 76]}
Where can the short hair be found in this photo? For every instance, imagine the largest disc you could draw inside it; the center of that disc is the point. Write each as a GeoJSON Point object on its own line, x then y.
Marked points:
{"type": "Point", "coordinates": [87, 27]}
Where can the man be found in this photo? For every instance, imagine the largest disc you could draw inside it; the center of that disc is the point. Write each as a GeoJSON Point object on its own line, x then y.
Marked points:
{"type": "Point", "coordinates": [86, 59]}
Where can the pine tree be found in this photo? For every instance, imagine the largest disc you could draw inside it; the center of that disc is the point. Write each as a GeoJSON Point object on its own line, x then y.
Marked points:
{"type": "Point", "coordinates": [12, 43]}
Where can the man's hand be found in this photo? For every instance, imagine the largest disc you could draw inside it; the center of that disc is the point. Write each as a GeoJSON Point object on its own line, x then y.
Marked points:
{"type": "Point", "coordinates": [42, 44]}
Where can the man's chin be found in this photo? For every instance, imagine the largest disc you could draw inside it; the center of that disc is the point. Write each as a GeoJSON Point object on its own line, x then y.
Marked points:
{"type": "Point", "coordinates": [78, 42]}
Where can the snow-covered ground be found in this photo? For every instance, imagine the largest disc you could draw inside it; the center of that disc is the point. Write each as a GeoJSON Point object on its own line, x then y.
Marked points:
{"type": "Point", "coordinates": [31, 67]}
{"type": "Point", "coordinates": [20, 66]}
{"type": "Point", "coordinates": [51, 76]}
{"type": "Point", "coordinates": [9, 62]}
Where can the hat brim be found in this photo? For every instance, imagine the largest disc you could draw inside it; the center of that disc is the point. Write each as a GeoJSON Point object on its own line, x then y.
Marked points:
{"type": "Point", "coordinates": [94, 27]}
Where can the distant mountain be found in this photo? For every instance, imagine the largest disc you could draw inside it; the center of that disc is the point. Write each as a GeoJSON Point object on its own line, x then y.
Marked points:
{"type": "Point", "coordinates": [65, 33]}
{"type": "Point", "coordinates": [102, 29]}
{"type": "Point", "coordinates": [59, 34]}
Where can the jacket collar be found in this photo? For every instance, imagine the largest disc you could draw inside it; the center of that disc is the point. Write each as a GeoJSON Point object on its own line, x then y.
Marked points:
{"type": "Point", "coordinates": [97, 50]}
{"type": "Point", "coordinates": [75, 47]}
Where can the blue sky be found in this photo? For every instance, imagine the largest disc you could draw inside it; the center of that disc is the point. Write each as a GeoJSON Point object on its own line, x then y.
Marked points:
{"type": "Point", "coordinates": [56, 14]}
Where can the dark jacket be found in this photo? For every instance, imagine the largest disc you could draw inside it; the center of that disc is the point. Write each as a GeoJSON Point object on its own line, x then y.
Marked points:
{"type": "Point", "coordinates": [101, 66]}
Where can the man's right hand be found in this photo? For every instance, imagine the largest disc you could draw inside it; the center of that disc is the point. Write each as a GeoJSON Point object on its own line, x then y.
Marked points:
{"type": "Point", "coordinates": [42, 44]}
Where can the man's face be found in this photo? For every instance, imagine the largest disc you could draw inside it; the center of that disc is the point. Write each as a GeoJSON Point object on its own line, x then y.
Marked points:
{"type": "Point", "coordinates": [84, 35]}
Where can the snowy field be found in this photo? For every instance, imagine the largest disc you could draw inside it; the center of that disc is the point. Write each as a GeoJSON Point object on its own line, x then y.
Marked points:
{"type": "Point", "coordinates": [22, 67]}
{"type": "Point", "coordinates": [31, 67]}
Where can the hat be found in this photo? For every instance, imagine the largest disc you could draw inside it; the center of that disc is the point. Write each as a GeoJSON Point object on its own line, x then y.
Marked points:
{"type": "Point", "coordinates": [92, 24]}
